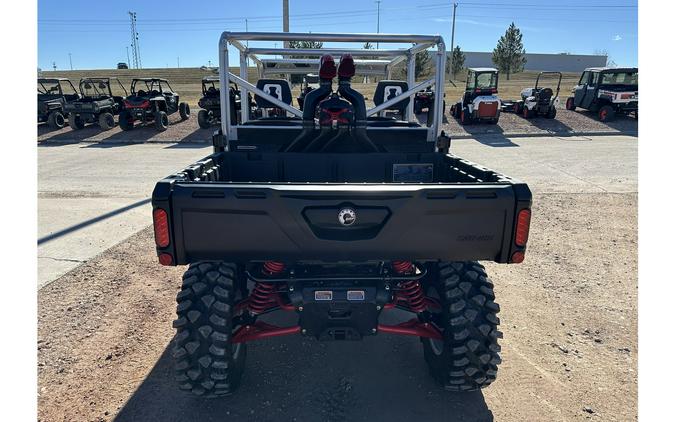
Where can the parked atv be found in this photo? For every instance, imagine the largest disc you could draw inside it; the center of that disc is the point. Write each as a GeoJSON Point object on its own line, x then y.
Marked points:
{"type": "Point", "coordinates": [537, 101]}
{"type": "Point", "coordinates": [210, 103]}
{"type": "Point", "coordinates": [480, 102]}
{"type": "Point", "coordinates": [97, 103]}
{"type": "Point", "coordinates": [606, 91]}
{"type": "Point", "coordinates": [51, 98]}
{"type": "Point", "coordinates": [424, 100]}
{"type": "Point", "coordinates": [152, 100]}
{"type": "Point", "coordinates": [336, 221]}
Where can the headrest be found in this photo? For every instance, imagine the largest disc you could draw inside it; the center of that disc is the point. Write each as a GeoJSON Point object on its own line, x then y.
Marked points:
{"type": "Point", "coordinates": [87, 85]}
{"type": "Point", "coordinates": [327, 68]}
{"type": "Point", "coordinates": [347, 68]}
{"type": "Point", "coordinates": [386, 90]}
{"type": "Point", "coordinates": [102, 85]}
{"type": "Point", "coordinates": [278, 88]}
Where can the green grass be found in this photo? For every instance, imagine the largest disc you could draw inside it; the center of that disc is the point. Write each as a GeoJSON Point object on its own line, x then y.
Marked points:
{"type": "Point", "coordinates": [187, 81]}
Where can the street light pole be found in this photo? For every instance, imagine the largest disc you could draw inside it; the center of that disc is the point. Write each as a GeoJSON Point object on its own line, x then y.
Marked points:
{"type": "Point", "coordinates": [70, 59]}
{"type": "Point", "coordinates": [452, 38]}
{"type": "Point", "coordinates": [378, 19]}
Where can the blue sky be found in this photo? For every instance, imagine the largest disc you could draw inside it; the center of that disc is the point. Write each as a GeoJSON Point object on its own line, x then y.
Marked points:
{"type": "Point", "coordinates": [97, 33]}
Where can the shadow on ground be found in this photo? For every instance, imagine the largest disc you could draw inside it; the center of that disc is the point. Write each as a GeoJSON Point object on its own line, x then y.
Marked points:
{"type": "Point", "coordinates": [293, 378]}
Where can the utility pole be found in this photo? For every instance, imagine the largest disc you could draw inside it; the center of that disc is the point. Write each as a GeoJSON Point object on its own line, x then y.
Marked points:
{"type": "Point", "coordinates": [54, 65]}
{"type": "Point", "coordinates": [286, 26]}
{"type": "Point", "coordinates": [452, 39]}
{"type": "Point", "coordinates": [128, 61]}
{"type": "Point", "coordinates": [70, 59]}
{"type": "Point", "coordinates": [378, 19]}
{"type": "Point", "coordinates": [178, 61]}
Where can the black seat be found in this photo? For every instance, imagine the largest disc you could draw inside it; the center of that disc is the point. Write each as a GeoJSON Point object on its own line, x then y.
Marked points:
{"type": "Point", "coordinates": [279, 88]}
{"type": "Point", "coordinates": [386, 90]}
{"type": "Point", "coordinates": [544, 95]}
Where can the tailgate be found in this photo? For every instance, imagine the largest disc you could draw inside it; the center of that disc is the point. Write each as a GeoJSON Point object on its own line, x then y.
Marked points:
{"type": "Point", "coordinates": [291, 222]}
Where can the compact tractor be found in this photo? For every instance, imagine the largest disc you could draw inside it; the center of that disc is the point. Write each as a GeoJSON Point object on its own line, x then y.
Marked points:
{"type": "Point", "coordinates": [352, 224]}
{"type": "Point", "coordinates": [97, 104]}
{"type": "Point", "coordinates": [480, 102]}
{"type": "Point", "coordinates": [537, 101]}
{"type": "Point", "coordinates": [606, 91]}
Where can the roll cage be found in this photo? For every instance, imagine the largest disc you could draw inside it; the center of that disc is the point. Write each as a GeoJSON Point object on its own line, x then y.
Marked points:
{"type": "Point", "coordinates": [99, 87]}
{"type": "Point", "coordinates": [482, 79]}
{"type": "Point", "coordinates": [48, 86]}
{"type": "Point", "coordinates": [306, 60]}
{"type": "Point", "coordinates": [151, 84]}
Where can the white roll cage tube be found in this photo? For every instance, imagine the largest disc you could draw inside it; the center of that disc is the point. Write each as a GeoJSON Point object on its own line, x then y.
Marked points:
{"type": "Point", "coordinates": [375, 62]}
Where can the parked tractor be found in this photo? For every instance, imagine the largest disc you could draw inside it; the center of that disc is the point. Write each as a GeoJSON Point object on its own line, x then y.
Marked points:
{"type": "Point", "coordinates": [480, 102]}
{"type": "Point", "coordinates": [536, 101]}
{"type": "Point", "coordinates": [606, 91]}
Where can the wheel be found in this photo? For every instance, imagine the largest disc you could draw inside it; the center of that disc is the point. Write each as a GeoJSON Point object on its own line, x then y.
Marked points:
{"type": "Point", "coordinates": [184, 111]}
{"type": "Point", "coordinates": [126, 121]}
{"type": "Point", "coordinates": [464, 116]}
{"type": "Point", "coordinates": [56, 120]}
{"type": "Point", "coordinates": [106, 121]}
{"type": "Point", "coordinates": [457, 110]}
{"type": "Point", "coordinates": [569, 104]}
{"type": "Point", "coordinates": [75, 122]}
{"type": "Point", "coordinates": [203, 119]}
{"type": "Point", "coordinates": [551, 113]}
{"type": "Point", "coordinates": [517, 108]}
{"type": "Point", "coordinates": [467, 357]}
{"type": "Point", "coordinates": [161, 121]}
{"type": "Point", "coordinates": [444, 107]}
{"type": "Point", "coordinates": [606, 113]}
{"type": "Point", "coordinates": [207, 363]}
{"type": "Point", "coordinates": [527, 113]}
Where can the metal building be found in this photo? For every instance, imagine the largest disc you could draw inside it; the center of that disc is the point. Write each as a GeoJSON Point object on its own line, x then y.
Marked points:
{"type": "Point", "coordinates": [535, 61]}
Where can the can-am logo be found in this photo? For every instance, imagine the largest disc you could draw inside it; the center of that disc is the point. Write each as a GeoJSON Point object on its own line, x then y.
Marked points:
{"type": "Point", "coordinates": [347, 216]}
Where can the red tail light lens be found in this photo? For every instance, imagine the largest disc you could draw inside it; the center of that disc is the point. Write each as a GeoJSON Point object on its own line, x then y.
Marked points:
{"type": "Point", "coordinates": [517, 257]}
{"type": "Point", "coordinates": [161, 223]}
{"type": "Point", "coordinates": [165, 259]}
{"type": "Point", "coordinates": [523, 227]}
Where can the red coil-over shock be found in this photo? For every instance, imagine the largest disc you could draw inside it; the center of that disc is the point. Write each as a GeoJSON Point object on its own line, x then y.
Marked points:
{"type": "Point", "coordinates": [264, 295]}
{"type": "Point", "coordinates": [410, 291]}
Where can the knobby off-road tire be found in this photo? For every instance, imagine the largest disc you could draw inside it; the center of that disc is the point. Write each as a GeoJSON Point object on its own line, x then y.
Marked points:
{"type": "Point", "coordinates": [203, 119]}
{"type": "Point", "coordinates": [161, 121]}
{"type": "Point", "coordinates": [184, 111]}
{"type": "Point", "coordinates": [468, 356]}
{"type": "Point", "coordinates": [569, 104]}
{"type": "Point", "coordinates": [207, 363]}
{"type": "Point", "coordinates": [551, 113]}
{"type": "Point", "coordinates": [56, 120]}
{"type": "Point", "coordinates": [606, 113]}
{"type": "Point", "coordinates": [75, 122]}
{"type": "Point", "coordinates": [126, 121]}
{"type": "Point", "coordinates": [106, 121]}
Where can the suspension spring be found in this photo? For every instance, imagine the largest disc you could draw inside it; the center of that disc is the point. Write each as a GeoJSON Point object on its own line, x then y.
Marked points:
{"type": "Point", "coordinates": [273, 267]}
{"type": "Point", "coordinates": [409, 292]}
{"type": "Point", "coordinates": [262, 298]}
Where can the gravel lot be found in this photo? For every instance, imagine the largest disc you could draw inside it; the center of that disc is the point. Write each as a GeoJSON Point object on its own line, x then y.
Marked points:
{"type": "Point", "coordinates": [566, 122]}
{"type": "Point", "coordinates": [569, 316]}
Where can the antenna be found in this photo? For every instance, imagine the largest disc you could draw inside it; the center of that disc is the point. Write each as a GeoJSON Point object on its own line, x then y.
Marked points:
{"type": "Point", "coordinates": [135, 46]}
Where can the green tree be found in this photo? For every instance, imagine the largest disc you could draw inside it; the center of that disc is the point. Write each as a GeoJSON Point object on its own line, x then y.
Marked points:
{"type": "Point", "coordinates": [422, 63]}
{"type": "Point", "coordinates": [458, 59]}
{"type": "Point", "coordinates": [509, 55]}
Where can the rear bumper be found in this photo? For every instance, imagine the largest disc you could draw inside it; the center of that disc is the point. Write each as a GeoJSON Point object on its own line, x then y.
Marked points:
{"type": "Point", "coordinates": [299, 222]}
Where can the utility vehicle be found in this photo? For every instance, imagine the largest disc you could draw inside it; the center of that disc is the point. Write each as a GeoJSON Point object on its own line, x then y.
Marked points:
{"type": "Point", "coordinates": [97, 103]}
{"type": "Point", "coordinates": [358, 225]}
{"type": "Point", "coordinates": [537, 101]}
{"type": "Point", "coordinates": [50, 100]}
{"type": "Point", "coordinates": [480, 102]}
{"type": "Point", "coordinates": [310, 82]}
{"type": "Point", "coordinates": [152, 100]}
{"type": "Point", "coordinates": [425, 100]}
{"type": "Point", "coordinates": [210, 102]}
{"type": "Point", "coordinates": [606, 91]}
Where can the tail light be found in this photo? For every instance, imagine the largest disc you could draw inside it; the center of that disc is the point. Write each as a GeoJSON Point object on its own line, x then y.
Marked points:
{"type": "Point", "coordinates": [161, 224]}
{"type": "Point", "coordinates": [523, 227]}
{"type": "Point", "coordinates": [165, 259]}
{"type": "Point", "coordinates": [518, 257]}
{"type": "Point", "coordinates": [143, 104]}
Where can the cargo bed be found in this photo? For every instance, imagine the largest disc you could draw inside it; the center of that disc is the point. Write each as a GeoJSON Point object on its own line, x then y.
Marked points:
{"type": "Point", "coordinates": [250, 206]}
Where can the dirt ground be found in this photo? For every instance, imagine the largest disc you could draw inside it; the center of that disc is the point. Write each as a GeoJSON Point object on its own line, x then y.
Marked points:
{"type": "Point", "coordinates": [569, 317]}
